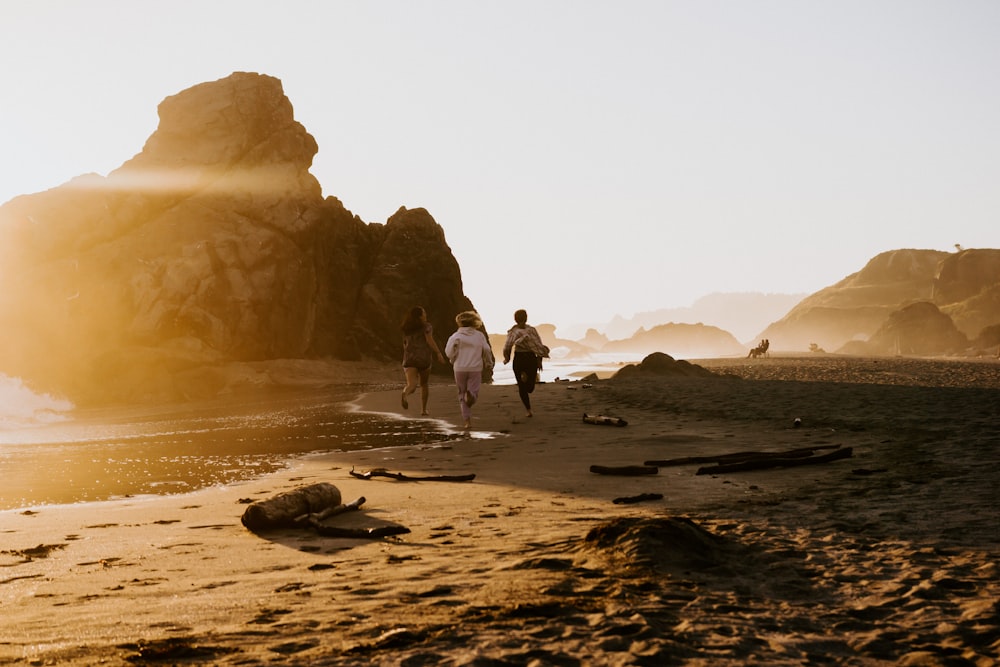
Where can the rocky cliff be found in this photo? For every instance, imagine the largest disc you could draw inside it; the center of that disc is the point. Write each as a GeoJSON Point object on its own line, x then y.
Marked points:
{"type": "Point", "coordinates": [212, 245]}
{"type": "Point", "coordinates": [963, 286]}
{"type": "Point", "coordinates": [686, 341]}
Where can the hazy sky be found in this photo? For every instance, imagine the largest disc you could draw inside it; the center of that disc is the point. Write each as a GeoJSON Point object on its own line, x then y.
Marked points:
{"type": "Point", "coordinates": [585, 159]}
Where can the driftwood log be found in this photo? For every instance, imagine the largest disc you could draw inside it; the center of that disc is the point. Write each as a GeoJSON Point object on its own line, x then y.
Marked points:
{"type": "Point", "coordinates": [603, 420]}
{"type": "Point", "coordinates": [627, 471]}
{"type": "Point", "coordinates": [382, 472]}
{"type": "Point", "coordinates": [282, 510]}
{"type": "Point", "coordinates": [314, 518]}
{"type": "Point", "coordinates": [631, 500]}
{"type": "Point", "coordinates": [360, 533]}
{"type": "Point", "coordinates": [776, 462]}
{"type": "Point", "coordinates": [736, 457]}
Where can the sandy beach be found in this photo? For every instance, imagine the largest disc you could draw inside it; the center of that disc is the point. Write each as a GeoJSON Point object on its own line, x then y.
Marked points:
{"type": "Point", "coordinates": [886, 557]}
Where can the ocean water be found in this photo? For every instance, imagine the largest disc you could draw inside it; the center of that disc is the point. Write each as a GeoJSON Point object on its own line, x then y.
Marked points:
{"type": "Point", "coordinates": [52, 454]}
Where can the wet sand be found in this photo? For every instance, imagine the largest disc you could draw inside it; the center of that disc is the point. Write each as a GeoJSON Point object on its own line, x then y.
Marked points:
{"type": "Point", "coordinates": [886, 557]}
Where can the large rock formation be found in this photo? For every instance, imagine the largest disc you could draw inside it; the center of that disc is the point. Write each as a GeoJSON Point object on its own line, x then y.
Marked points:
{"type": "Point", "coordinates": [679, 340]}
{"type": "Point", "coordinates": [919, 329]}
{"type": "Point", "coordinates": [214, 244]}
{"type": "Point", "coordinates": [965, 286]}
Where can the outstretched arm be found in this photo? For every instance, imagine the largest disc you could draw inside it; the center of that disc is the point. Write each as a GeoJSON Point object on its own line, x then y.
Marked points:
{"type": "Point", "coordinates": [433, 346]}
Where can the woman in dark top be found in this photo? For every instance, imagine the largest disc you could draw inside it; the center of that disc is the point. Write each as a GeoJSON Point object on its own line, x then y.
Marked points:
{"type": "Point", "coordinates": [419, 349]}
{"type": "Point", "coordinates": [524, 341]}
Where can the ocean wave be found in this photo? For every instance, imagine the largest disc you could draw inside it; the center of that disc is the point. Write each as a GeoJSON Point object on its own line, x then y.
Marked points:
{"type": "Point", "coordinates": [20, 407]}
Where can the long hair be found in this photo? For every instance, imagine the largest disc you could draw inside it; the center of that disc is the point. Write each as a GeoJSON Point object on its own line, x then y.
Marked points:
{"type": "Point", "coordinates": [412, 322]}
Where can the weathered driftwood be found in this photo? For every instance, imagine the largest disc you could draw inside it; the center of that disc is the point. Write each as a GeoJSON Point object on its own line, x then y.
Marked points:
{"type": "Point", "coordinates": [382, 472]}
{"type": "Point", "coordinates": [360, 533]}
{"type": "Point", "coordinates": [280, 511]}
{"type": "Point", "coordinates": [628, 471]}
{"type": "Point", "coordinates": [868, 471]}
{"type": "Point", "coordinates": [777, 462]}
{"type": "Point", "coordinates": [312, 519]}
{"type": "Point", "coordinates": [631, 500]}
{"type": "Point", "coordinates": [603, 420]}
{"type": "Point", "coordinates": [736, 457]}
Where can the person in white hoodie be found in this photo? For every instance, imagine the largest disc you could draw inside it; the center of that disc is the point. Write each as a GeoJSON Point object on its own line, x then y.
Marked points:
{"type": "Point", "coordinates": [469, 350]}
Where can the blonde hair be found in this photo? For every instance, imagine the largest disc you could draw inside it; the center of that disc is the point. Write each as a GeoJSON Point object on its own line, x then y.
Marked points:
{"type": "Point", "coordinates": [468, 318]}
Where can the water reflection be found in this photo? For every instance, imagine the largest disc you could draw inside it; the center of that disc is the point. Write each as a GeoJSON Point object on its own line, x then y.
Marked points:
{"type": "Point", "coordinates": [174, 449]}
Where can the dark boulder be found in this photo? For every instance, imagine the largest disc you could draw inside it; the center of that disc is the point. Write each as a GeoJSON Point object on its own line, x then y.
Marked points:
{"type": "Point", "coordinates": [660, 364]}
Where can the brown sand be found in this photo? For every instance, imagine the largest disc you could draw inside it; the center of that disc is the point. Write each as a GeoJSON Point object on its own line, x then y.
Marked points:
{"type": "Point", "coordinates": [889, 557]}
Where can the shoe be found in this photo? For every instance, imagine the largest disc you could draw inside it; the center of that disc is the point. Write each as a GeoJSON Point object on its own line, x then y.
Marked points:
{"type": "Point", "coordinates": [470, 400]}
{"type": "Point", "coordinates": [406, 405]}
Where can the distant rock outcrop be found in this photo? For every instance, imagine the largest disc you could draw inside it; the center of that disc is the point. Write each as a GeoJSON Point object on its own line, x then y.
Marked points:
{"type": "Point", "coordinates": [681, 340]}
{"type": "Point", "coordinates": [560, 347]}
{"type": "Point", "coordinates": [741, 313]}
{"type": "Point", "coordinates": [964, 286]}
{"type": "Point", "coordinates": [214, 244]}
{"type": "Point", "coordinates": [659, 363]}
{"type": "Point", "coordinates": [917, 329]}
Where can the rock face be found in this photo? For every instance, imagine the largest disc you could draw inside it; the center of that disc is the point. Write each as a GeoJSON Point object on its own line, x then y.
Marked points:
{"type": "Point", "coordinates": [964, 286]}
{"type": "Point", "coordinates": [917, 329]}
{"type": "Point", "coordinates": [214, 244]}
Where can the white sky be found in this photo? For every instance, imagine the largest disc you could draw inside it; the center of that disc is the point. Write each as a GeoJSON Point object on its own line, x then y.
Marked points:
{"type": "Point", "coordinates": [585, 159]}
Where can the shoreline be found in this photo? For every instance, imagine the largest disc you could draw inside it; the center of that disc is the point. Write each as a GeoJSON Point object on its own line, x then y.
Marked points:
{"type": "Point", "coordinates": [534, 561]}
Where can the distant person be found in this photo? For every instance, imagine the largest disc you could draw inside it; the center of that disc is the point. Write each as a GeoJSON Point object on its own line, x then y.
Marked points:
{"type": "Point", "coordinates": [419, 349]}
{"type": "Point", "coordinates": [469, 352]}
{"type": "Point", "coordinates": [529, 350]}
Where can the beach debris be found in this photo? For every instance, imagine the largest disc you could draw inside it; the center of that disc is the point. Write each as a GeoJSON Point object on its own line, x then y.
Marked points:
{"type": "Point", "coordinates": [603, 420]}
{"type": "Point", "coordinates": [34, 553]}
{"type": "Point", "coordinates": [797, 423]}
{"type": "Point", "coordinates": [382, 472]}
{"type": "Point", "coordinates": [868, 471]}
{"type": "Point", "coordinates": [627, 471]}
{"type": "Point", "coordinates": [308, 507]}
{"type": "Point", "coordinates": [174, 648]}
{"type": "Point", "coordinates": [737, 457]}
{"type": "Point", "coordinates": [282, 510]}
{"type": "Point", "coordinates": [642, 497]}
{"type": "Point", "coordinates": [777, 462]}
{"type": "Point", "coordinates": [360, 533]}
{"type": "Point", "coordinates": [315, 517]}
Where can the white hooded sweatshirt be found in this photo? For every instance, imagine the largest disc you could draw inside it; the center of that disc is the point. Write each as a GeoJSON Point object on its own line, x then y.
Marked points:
{"type": "Point", "coordinates": [467, 348]}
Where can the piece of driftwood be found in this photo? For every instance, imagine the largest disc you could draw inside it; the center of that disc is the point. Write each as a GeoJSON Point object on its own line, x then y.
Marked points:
{"type": "Point", "coordinates": [776, 462]}
{"type": "Point", "coordinates": [603, 420]}
{"type": "Point", "coordinates": [360, 533]}
{"type": "Point", "coordinates": [311, 519]}
{"type": "Point", "coordinates": [281, 511]}
{"type": "Point", "coordinates": [631, 500]}
{"type": "Point", "coordinates": [382, 472]}
{"type": "Point", "coordinates": [627, 471]}
{"type": "Point", "coordinates": [736, 457]}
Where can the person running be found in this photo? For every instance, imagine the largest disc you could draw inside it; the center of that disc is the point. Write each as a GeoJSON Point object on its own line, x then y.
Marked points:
{"type": "Point", "coordinates": [469, 351]}
{"type": "Point", "coordinates": [528, 350]}
{"type": "Point", "coordinates": [418, 351]}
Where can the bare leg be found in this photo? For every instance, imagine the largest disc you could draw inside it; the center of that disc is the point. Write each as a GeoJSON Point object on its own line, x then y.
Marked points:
{"type": "Point", "coordinates": [412, 381]}
{"type": "Point", "coordinates": [425, 389]}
